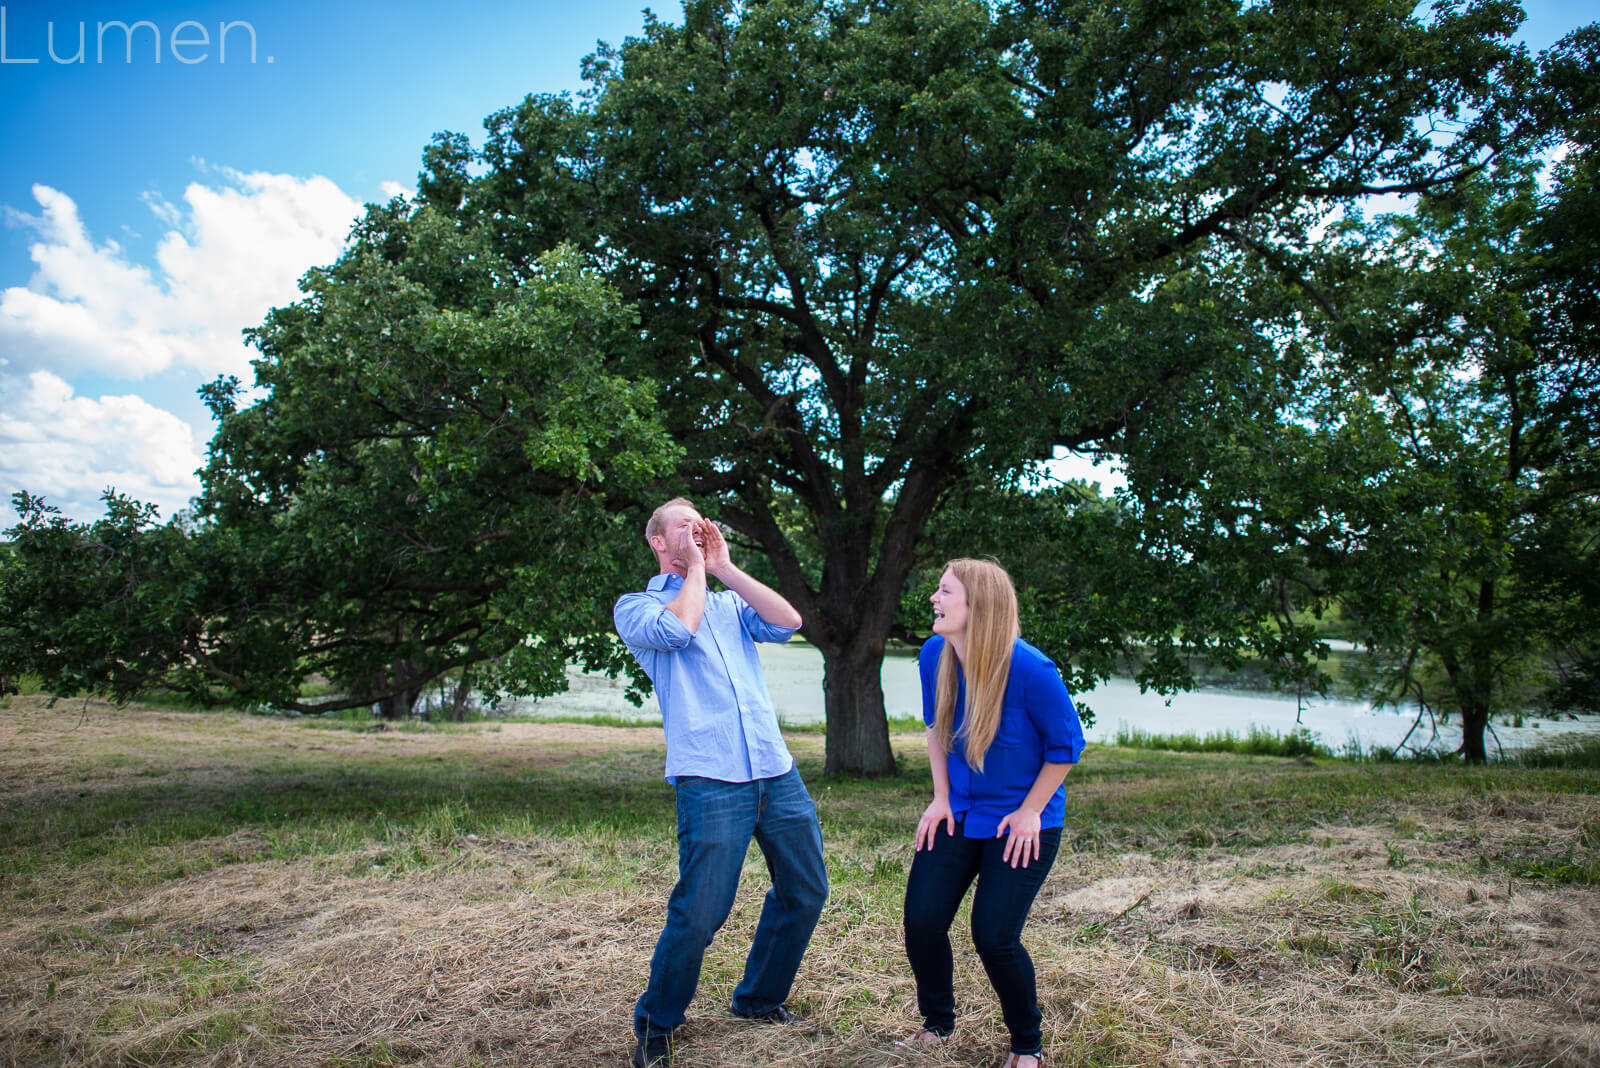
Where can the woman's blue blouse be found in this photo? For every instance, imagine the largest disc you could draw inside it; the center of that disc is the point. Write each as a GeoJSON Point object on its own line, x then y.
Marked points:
{"type": "Point", "coordinates": [1038, 725]}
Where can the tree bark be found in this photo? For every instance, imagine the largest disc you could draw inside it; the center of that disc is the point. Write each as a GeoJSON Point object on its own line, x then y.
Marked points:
{"type": "Point", "coordinates": [400, 695]}
{"type": "Point", "coordinates": [858, 730]}
{"type": "Point", "coordinates": [849, 618]}
{"type": "Point", "coordinates": [1472, 679]}
{"type": "Point", "coordinates": [396, 706]}
{"type": "Point", "coordinates": [1476, 692]}
{"type": "Point", "coordinates": [1474, 721]}
{"type": "Point", "coordinates": [458, 705]}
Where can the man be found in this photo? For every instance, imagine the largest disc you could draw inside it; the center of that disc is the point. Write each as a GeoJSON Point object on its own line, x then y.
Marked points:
{"type": "Point", "coordinates": [732, 773]}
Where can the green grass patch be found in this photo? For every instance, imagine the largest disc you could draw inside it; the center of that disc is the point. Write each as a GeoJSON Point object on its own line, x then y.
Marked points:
{"type": "Point", "coordinates": [308, 803]}
{"type": "Point", "coordinates": [1582, 751]}
{"type": "Point", "coordinates": [1256, 742]}
{"type": "Point", "coordinates": [224, 1029]}
{"type": "Point", "coordinates": [1561, 870]}
{"type": "Point", "coordinates": [593, 721]}
{"type": "Point", "coordinates": [412, 813]}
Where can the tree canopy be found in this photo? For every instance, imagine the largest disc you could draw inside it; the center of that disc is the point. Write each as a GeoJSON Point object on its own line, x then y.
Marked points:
{"type": "Point", "coordinates": [1431, 467]}
{"type": "Point", "coordinates": [878, 250]}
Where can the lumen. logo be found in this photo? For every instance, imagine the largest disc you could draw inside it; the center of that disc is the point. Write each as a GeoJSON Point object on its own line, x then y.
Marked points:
{"type": "Point", "coordinates": [188, 42]}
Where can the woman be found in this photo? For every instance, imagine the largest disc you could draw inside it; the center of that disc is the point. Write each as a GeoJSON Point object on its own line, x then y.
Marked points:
{"type": "Point", "coordinates": [1002, 736]}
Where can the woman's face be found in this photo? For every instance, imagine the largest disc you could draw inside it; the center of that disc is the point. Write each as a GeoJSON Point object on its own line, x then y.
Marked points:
{"type": "Point", "coordinates": [949, 606]}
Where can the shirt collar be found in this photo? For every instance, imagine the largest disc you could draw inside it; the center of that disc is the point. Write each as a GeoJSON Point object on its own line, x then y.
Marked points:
{"type": "Point", "coordinates": [666, 580]}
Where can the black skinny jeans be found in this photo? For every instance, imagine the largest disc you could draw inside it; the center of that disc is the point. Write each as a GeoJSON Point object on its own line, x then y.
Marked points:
{"type": "Point", "coordinates": [938, 881]}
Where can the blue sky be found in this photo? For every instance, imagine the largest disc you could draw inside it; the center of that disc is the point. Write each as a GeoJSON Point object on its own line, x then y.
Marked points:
{"type": "Point", "coordinates": [150, 211]}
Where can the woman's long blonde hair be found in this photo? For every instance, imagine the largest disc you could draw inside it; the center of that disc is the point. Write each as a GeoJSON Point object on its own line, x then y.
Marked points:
{"type": "Point", "coordinates": [992, 630]}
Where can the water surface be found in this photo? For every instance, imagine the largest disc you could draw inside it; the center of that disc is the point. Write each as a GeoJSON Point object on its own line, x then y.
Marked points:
{"type": "Point", "coordinates": [794, 678]}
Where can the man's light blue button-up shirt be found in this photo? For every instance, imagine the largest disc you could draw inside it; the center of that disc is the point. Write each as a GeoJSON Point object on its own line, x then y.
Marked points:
{"type": "Point", "coordinates": [715, 708]}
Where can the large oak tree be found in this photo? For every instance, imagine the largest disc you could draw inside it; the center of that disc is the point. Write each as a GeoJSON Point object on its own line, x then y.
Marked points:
{"type": "Point", "coordinates": [870, 242]}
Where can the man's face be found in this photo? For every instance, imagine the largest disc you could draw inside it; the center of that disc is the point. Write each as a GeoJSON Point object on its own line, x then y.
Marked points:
{"type": "Point", "coordinates": [677, 520]}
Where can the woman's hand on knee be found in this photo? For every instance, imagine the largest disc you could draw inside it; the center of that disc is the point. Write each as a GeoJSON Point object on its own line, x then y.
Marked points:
{"type": "Point", "coordinates": [1022, 845]}
{"type": "Point", "coordinates": [937, 812]}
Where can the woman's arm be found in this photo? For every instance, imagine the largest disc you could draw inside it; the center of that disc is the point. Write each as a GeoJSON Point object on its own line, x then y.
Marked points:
{"type": "Point", "coordinates": [938, 809]}
{"type": "Point", "coordinates": [1024, 822]}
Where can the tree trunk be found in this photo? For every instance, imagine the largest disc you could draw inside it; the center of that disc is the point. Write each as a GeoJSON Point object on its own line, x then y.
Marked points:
{"type": "Point", "coordinates": [399, 703]}
{"type": "Point", "coordinates": [396, 706]}
{"type": "Point", "coordinates": [1474, 721]}
{"type": "Point", "coordinates": [458, 705]}
{"type": "Point", "coordinates": [1475, 685]}
{"type": "Point", "coordinates": [1472, 682]}
{"type": "Point", "coordinates": [858, 730]}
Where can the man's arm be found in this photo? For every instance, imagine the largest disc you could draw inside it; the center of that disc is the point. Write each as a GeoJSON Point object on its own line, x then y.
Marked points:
{"type": "Point", "coordinates": [690, 604]}
{"type": "Point", "coordinates": [768, 603]}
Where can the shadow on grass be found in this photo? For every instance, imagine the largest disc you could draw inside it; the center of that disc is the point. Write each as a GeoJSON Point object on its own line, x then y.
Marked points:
{"type": "Point", "coordinates": [327, 805]}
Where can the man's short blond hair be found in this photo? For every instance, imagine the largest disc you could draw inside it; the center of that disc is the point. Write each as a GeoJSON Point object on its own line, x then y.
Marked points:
{"type": "Point", "coordinates": [658, 518]}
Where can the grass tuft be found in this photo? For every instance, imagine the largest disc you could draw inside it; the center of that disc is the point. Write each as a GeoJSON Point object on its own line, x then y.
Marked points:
{"type": "Point", "coordinates": [1256, 742]}
{"type": "Point", "coordinates": [1570, 751]}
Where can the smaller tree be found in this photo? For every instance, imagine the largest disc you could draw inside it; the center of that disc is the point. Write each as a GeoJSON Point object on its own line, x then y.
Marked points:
{"type": "Point", "coordinates": [102, 607]}
{"type": "Point", "coordinates": [1474, 502]}
{"type": "Point", "coordinates": [427, 485]}
{"type": "Point", "coordinates": [1424, 473]}
{"type": "Point", "coordinates": [1409, 431]}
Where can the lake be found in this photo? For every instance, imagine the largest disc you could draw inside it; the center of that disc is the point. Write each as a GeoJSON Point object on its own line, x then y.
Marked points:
{"type": "Point", "coordinates": [794, 678]}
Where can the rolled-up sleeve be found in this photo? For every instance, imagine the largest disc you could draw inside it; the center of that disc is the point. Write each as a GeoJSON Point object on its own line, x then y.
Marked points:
{"type": "Point", "coordinates": [928, 670]}
{"type": "Point", "coordinates": [643, 622]}
{"type": "Point", "coordinates": [759, 629]}
{"type": "Point", "coordinates": [1053, 714]}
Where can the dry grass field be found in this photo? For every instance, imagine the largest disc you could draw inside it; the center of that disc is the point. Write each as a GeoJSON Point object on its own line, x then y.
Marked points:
{"type": "Point", "coordinates": [217, 889]}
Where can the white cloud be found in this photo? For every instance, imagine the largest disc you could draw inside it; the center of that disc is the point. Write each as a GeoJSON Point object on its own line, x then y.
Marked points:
{"type": "Point", "coordinates": [233, 250]}
{"type": "Point", "coordinates": [163, 209]}
{"type": "Point", "coordinates": [68, 449]}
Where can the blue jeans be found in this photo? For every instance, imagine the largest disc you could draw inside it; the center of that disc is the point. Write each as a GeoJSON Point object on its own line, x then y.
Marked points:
{"type": "Point", "coordinates": [938, 881]}
{"type": "Point", "coordinates": [716, 821]}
